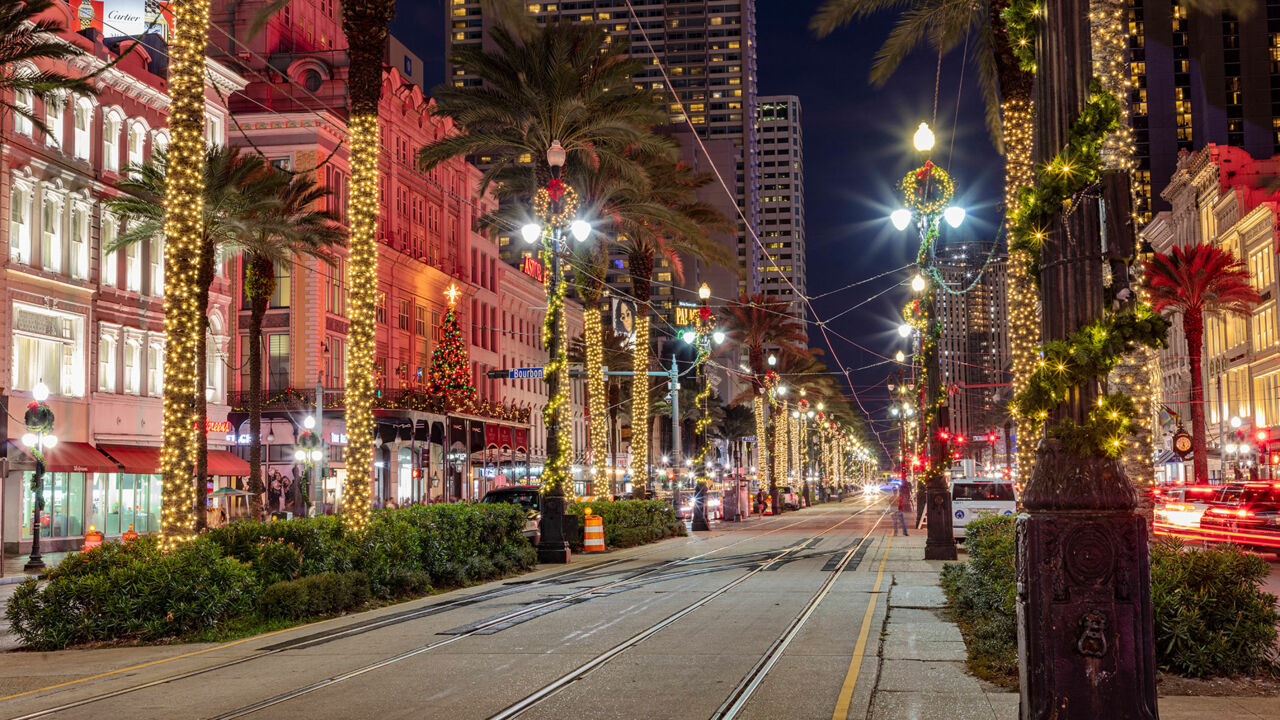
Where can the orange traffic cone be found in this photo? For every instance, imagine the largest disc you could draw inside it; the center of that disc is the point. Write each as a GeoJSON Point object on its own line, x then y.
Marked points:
{"type": "Point", "coordinates": [593, 534]}
{"type": "Point", "coordinates": [768, 505]}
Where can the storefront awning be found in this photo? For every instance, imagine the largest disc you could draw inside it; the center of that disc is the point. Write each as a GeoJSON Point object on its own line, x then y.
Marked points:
{"type": "Point", "coordinates": [222, 462]}
{"type": "Point", "coordinates": [70, 456]}
{"type": "Point", "coordinates": [134, 458]}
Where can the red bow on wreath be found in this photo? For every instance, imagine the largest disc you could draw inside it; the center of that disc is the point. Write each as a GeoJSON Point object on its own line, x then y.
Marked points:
{"type": "Point", "coordinates": [555, 189]}
{"type": "Point", "coordinates": [704, 313]}
{"type": "Point", "coordinates": [923, 173]}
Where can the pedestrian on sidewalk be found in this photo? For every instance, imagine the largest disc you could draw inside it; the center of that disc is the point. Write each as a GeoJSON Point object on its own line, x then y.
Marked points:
{"type": "Point", "coordinates": [904, 506]}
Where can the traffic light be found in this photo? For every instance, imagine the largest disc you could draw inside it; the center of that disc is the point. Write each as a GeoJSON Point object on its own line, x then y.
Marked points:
{"type": "Point", "coordinates": [1004, 472]}
{"type": "Point", "coordinates": [991, 437]}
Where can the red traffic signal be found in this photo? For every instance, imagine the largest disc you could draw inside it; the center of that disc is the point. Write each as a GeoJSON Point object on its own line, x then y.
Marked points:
{"type": "Point", "coordinates": [991, 437]}
{"type": "Point", "coordinates": [1275, 459]}
{"type": "Point", "coordinates": [1004, 472]}
{"type": "Point", "coordinates": [1260, 436]}
{"type": "Point", "coordinates": [943, 434]}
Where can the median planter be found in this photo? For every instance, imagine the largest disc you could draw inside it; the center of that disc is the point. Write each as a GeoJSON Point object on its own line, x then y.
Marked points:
{"type": "Point", "coordinates": [628, 523]}
{"type": "Point", "coordinates": [1212, 617]}
{"type": "Point", "coordinates": [288, 569]}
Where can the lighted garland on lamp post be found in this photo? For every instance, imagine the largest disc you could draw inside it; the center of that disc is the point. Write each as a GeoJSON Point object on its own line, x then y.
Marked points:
{"type": "Point", "coordinates": [556, 205]}
{"type": "Point", "coordinates": [183, 228]}
{"type": "Point", "coordinates": [927, 194]}
{"type": "Point", "coordinates": [701, 338]}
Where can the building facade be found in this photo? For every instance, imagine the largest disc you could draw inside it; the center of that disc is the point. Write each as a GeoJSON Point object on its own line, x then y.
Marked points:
{"type": "Point", "coordinates": [781, 156]}
{"type": "Point", "coordinates": [429, 245]}
{"type": "Point", "coordinates": [85, 322]}
{"type": "Point", "coordinates": [1222, 196]}
{"type": "Point", "coordinates": [974, 345]}
{"type": "Point", "coordinates": [1199, 78]}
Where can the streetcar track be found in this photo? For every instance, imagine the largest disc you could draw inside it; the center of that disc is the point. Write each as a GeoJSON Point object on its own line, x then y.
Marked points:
{"type": "Point", "coordinates": [345, 632]}
{"type": "Point", "coordinates": [537, 697]}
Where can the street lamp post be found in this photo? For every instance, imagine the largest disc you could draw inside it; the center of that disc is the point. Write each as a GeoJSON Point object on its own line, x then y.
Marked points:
{"type": "Point", "coordinates": [702, 338]}
{"type": "Point", "coordinates": [927, 194]}
{"type": "Point", "coordinates": [308, 455]}
{"type": "Point", "coordinates": [556, 206]}
{"type": "Point", "coordinates": [39, 437]}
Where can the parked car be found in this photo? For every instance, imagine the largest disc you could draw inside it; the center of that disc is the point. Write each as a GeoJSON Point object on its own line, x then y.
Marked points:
{"type": "Point", "coordinates": [790, 498]}
{"type": "Point", "coordinates": [1246, 514]}
{"type": "Point", "coordinates": [972, 498]}
{"type": "Point", "coordinates": [528, 497]}
{"type": "Point", "coordinates": [715, 505]}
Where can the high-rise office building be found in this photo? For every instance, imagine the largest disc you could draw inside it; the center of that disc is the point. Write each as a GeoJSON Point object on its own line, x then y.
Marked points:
{"type": "Point", "coordinates": [1200, 78]}
{"type": "Point", "coordinates": [974, 345]}
{"type": "Point", "coordinates": [701, 54]}
{"type": "Point", "coordinates": [781, 160]}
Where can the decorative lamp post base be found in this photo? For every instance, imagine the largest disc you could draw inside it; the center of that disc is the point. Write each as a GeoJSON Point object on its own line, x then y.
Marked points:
{"type": "Point", "coordinates": [1086, 644]}
{"type": "Point", "coordinates": [552, 548]}
{"type": "Point", "coordinates": [33, 564]}
{"type": "Point", "coordinates": [941, 541]}
{"type": "Point", "coordinates": [700, 522]}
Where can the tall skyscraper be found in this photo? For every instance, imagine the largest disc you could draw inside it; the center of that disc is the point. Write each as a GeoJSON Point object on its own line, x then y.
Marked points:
{"type": "Point", "coordinates": [781, 159]}
{"type": "Point", "coordinates": [1200, 78]}
{"type": "Point", "coordinates": [974, 346]}
{"type": "Point", "coordinates": [701, 54]}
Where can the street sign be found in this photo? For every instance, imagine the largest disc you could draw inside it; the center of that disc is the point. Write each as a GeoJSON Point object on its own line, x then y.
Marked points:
{"type": "Point", "coordinates": [531, 373]}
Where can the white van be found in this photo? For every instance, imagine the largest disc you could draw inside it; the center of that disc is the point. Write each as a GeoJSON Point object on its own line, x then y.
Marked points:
{"type": "Point", "coordinates": [972, 498]}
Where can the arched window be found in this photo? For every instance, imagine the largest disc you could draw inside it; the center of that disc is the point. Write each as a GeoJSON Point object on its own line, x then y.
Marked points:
{"type": "Point", "coordinates": [24, 103]}
{"type": "Point", "coordinates": [111, 124]}
{"type": "Point", "coordinates": [20, 223]}
{"type": "Point", "coordinates": [83, 125]}
{"type": "Point", "coordinates": [137, 139]}
{"type": "Point", "coordinates": [54, 112]}
{"type": "Point", "coordinates": [106, 362]}
{"type": "Point", "coordinates": [132, 366]}
{"type": "Point", "coordinates": [159, 141]}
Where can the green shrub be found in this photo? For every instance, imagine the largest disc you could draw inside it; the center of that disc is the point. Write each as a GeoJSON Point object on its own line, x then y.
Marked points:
{"type": "Point", "coordinates": [274, 561]}
{"type": "Point", "coordinates": [314, 595]}
{"type": "Point", "coordinates": [286, 569]}
{"type": "Point", "coordinates": [633, 522]}
{"type": "Point", "coordinates": [982, 597]}
{"type": "Point", "coordinates": [122, 591]}
{"type": "Point", "coordinates": [1211, 615]}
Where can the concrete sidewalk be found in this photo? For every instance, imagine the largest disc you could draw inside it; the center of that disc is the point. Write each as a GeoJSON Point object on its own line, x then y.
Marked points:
{"type": "Point", "coordinates": [922, 673]}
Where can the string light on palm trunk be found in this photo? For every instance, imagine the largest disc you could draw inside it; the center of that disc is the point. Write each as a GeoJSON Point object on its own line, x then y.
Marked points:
{"type": "Point", "coordinates": [183, 228]}
{"type": "Point", "coordinates": [593, 336]}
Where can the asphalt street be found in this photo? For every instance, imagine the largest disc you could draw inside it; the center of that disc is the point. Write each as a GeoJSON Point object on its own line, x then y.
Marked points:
{"type": "Point", "coordinates": [773, 617]}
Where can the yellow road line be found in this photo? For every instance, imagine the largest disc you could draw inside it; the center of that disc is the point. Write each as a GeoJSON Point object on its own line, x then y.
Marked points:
{"type": "Point", "coordinates": [855, 664]}
{"type": "Point", "coordinates": [221, 646]}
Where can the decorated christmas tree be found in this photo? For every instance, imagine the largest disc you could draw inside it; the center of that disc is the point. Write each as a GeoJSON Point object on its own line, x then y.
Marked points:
{"type": "Point", "coordinates": [450, 377]}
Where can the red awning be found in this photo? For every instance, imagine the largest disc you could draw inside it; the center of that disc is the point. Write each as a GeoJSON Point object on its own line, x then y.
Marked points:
{"type": "Point", "coordinates": [134, 458]}
{"type": "Point", "coordinates": [70, 456]}
{"type": "Point", "coordinates": [222, 462]}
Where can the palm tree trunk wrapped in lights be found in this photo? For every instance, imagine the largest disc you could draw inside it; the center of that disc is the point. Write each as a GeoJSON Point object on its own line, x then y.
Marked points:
{"type": "Point", "coordinates": [184, 225]}
{"type": "Point", "coordinates": [781, 419]}
{"type": "Point", "coordinates": [640, 404]}
{"type": "Point", "coordinates": [365, 24]}
{"type": "Point", "coordinates": [762, 445]}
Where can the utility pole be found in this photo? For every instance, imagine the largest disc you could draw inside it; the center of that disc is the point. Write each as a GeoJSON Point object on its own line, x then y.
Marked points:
{"type": "Point", "coordinates": [676, 440]}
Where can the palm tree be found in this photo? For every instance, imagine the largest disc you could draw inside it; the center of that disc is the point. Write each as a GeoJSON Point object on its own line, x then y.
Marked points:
{"type": "Point", "coordinates": [364, 22]}
{"type": "Point", "coordinates": [26, 38]}
{"type": "Point", "coordinates": [291, 228]}
{"type": "Point", "coordinates": [563, 83]}
{"type": "Point", "coordinates": [1201, 279]}
{"type": "Point", "coordinates": [672, 185]}
{"type": "Point", "coordinates": [758, 322]}
{"type": "Point", "coordinates": [238, 193]}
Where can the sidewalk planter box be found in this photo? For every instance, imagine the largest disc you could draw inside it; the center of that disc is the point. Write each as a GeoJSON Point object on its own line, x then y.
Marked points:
{"type": "Point", "coordinates": [628, 523]}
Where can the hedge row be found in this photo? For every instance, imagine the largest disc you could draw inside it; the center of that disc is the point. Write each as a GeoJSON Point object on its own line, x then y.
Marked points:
{"type": "Point", "coordinates": [1211, 616]}
{"type": "Point", "coordinates": [632, 522]}
{"type": "Point", "coordinates": [294, 569]}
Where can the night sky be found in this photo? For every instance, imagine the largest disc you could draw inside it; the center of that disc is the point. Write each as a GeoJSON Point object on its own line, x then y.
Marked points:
{"type": "Point", "coordinates": [857, 147]}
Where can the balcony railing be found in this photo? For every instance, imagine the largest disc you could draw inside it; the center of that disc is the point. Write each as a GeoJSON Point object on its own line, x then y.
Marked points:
{"type": "Point", "coordinates": [298, 399]}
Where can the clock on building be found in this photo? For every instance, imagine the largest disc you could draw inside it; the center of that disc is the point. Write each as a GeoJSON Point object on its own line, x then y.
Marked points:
{"type": "Point", "coordinates": [1182, 444]}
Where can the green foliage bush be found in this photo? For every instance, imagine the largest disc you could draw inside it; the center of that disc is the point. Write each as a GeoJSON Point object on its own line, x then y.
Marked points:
{"type": "Point", "coordinates": [313, 595]}
{"type": "Point", "coordinates": [633, 522]}
{"type": "Point", "coordinates": [981, 593]}
{"type": "Point", "coordinates": [123, 591]}
{"type": "Point", "coordinates": [281, 569]}
{"type": "Point", "coordinates": [1211, 616]}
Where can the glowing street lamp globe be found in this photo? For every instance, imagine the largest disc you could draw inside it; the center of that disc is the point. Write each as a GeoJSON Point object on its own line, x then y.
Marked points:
{"type": "Point", "coordinates": [905, 330]}
{"type": "Point", "coordinates": [923, 139]}
{"type": "Point", "coordinates": [954, 215]}
{"type": "Point", "coordinates": [530, 232]}
{"type": "Point", "coordinates": [900, 218]}
{"type": "Point", "coordinates": [581, 230]}
{"type": "Point", "coordinates": [918, 283]}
